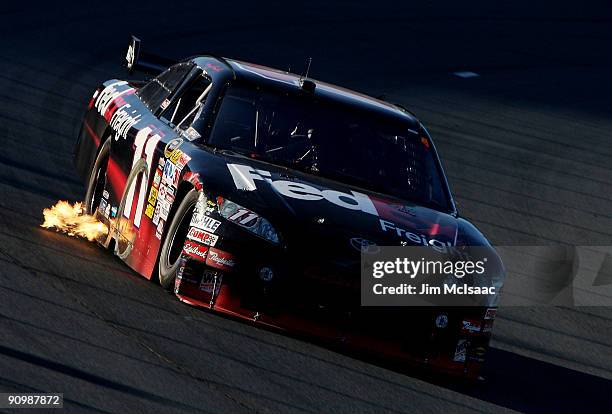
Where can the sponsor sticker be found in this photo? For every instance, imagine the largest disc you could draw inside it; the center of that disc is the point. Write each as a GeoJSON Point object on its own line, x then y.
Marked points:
{"type": "Point", "coordinates": [195, 250]}
{"type": "Point", "coordinates": [150, 210]}
{"type": "Point", "coordinates": [102, 206]}
{"type": "Point", "coordinates": [172, 145]}
{"type": "Point", "coordinates": [164, 208]}
{"type": "Point", "coordinates": [155, 219]}
{"type": "Point", "coordinates": [207, 284]}
{"type": "Point", "coordinates": [105, 194]}
{"type": "Point", "coordinates": [153, 195]}
{"type": "Point", "coordinates": [442, 321]}
{"type": "Point", "coordinates": [191, 134]}
{"type": "Point", "coordinates": [204, 222]}
{"type": "Point", "coordinates": [160, 229]}
{"type": "Point", "coordinates": [157, 177]}
{"type": "Point", "coordinates": [202, 236]}
{"type": "Point", "coordinates": [175, 156]}
{"type": "Point", "coordinates": [170, 172]}
{"type": "Point", "coordinates": [220, 259]}
{"type": "Point", "coordinates": [490, 313]}
{"type": "Point", "coordinates": [244, 217]}
{"type": "Point", "coordinates": [184, 159]}
{"type": "Point", "coordinates": [470, 326]}
{"type": "Point", "coordinates": [461, 350]}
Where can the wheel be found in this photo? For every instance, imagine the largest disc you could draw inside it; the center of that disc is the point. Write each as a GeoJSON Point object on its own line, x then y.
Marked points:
{"type": "Point", "coordinates": [95, 185]}
{"type": "Point", "coordinates": [172, 246]}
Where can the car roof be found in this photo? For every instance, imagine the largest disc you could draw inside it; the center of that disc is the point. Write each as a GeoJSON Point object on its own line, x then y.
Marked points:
{"type": "Point", "coordinates": [280, 79]}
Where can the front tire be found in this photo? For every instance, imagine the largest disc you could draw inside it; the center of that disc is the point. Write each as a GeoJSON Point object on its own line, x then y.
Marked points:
{"type": "Point", "coordinates": [170, 253]}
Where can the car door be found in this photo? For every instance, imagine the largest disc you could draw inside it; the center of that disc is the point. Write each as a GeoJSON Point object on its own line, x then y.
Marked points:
{"type": "Point", "coordinates": [173, 101]}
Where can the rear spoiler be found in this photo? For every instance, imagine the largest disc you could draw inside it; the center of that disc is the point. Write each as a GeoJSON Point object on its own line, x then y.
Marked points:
{"type": "Point", "coordinates": [139, 61]}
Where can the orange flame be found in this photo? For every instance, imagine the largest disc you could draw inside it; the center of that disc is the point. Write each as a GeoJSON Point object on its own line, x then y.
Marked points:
{"type": "Point", "coordinates": [72, 220]}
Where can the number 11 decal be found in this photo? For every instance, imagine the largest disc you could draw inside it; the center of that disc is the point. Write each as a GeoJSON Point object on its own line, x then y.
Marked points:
{"type": "Point", "coordinates": [147, 144]}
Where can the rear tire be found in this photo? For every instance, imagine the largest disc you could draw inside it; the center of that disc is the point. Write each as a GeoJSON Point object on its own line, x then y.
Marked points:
{"type": "Point", "coordinates": [95, 185]}
{"type": "Point", "coordinates": [170, 252]}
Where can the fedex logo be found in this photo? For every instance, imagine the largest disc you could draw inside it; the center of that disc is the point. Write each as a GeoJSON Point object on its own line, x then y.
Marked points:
{"type": "Point", "coordinates": [245, 176]}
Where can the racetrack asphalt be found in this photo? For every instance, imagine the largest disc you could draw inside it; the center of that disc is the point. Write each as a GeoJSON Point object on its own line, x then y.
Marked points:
{"type": "Point", "coordinates": [527, 146]}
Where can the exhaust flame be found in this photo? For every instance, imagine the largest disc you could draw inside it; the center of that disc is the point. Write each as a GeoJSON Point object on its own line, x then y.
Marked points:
{"type": "Point", "coordinates": [72, 220]}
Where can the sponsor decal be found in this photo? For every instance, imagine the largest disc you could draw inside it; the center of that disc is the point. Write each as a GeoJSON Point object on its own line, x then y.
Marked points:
{"type": "Point", "coordinates": [160, 229]}
{"type": "Point", "coordinates": [149, 211]}
{"type": "Point", "coordinates": [461, 350]}
{"type": "Point", "coordinates": [364, 246]}
{"type": "Point", "coordinates": [113, 211]}
{"type": "Point", "coordinates": [163, 188]}
{"type": "Point", "coordinates": [487, 326]}
{"type": "Point", "coordinates": [172, 145]}
{"type": "Point", "coordinates": [220, 259]}
{"type": "Point", "coordinates": [175, 156]}
{"type": "Point", "coordinates": [191, 134]}
{"type": "Point", "coordinates": [202, 236]}
{"type": "Point", "coordinates": [245, 176]}
{"type": "Point", "coordinates": [102, 206]}
{"type": "Point", "coordinates": [204, 222]}
{"type": "Point", "coordinates": [165, 103]}
{"type": "Point", "coordinates": [425, 142]}
{"type": "Point", "coordinates": [442, 321]}
{"type": "Point", "coordinates": [183, 160]}
{"type": "Point", "coordinates": [119, 114]}
{"type": "Point", "coordinates": [107, 210]}
{"type": "Point", "coordinates": [181, 269]}
{"type": "Point", "coordinates": [105, 194]}
{"type": "Point", "coordinates": [153, 196]}
{"type": "Point", "coordinates": [214, 67]}
{"type": "Point", "coordinates": [170, 173]}
{"type": "Point", "coordinates": [211, 282]}
{"type": "Point", "coordinates": [470, 326]}
{"type": "Point", "coordinates": [157, 177]}
{"type": "Point", "coordinates": [155, 218]}
{"type": "Point", "coordinates": [480, 351]}
{"type": "Point", "coordinates": [210, 207]}
{"type": "Point", "coordinates": [490, 313]}
{"type": "Point", "coordinates": [244, 217]}
{"type": "Point", "coordinates": [195, 250]}
{"type": "Point", "coordinates": [164, 208]}
{"type": "Point", "coordinates": [414, 238]}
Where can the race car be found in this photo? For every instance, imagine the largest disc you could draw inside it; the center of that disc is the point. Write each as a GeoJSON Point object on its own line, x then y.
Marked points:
{"type": "Point", "coordinates": [253, 192]}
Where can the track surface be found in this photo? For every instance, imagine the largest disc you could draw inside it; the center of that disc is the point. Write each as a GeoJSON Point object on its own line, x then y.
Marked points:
{"type": "Point", "coordinates": [527, 146]}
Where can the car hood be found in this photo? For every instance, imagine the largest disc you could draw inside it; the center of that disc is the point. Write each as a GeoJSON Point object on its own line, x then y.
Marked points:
{"type": "Point", "coordinates": [309, 207]}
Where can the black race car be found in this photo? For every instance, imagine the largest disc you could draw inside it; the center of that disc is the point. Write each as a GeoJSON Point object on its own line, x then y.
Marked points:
{"type": "Point", "coordinates": [252, 191]}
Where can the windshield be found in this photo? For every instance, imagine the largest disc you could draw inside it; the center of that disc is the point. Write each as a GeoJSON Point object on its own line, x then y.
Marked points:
{"type": "Point", "coordinates": [339, 142]}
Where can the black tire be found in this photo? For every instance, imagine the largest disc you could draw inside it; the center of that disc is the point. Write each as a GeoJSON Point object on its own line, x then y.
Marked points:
{"type": "Point", "coordinates": [172, 246]}
{"type": "Point", "coordinates": [95, 185]}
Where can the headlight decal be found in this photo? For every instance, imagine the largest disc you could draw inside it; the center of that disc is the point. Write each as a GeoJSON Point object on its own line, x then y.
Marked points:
{"type": "Point", "coordinates": [247, 219]}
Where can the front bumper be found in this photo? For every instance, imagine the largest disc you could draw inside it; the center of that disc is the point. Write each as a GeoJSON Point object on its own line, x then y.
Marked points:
{"type": "Point", "coordinates": [316, 301]}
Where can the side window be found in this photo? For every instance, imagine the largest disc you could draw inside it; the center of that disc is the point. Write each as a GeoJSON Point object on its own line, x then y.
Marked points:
{"type": "Point", "coordinates": [188, 101]}
{"type": "Point", "coordinates": [159, 88]}
{"type": "Point", "coordinates": [236, 124]}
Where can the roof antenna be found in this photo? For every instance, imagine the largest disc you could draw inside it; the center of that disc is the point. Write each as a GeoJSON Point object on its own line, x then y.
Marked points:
{"type": "Point", "coordinates": [307, 69]}
{"type": "Point", "coordinates": [305, 83]}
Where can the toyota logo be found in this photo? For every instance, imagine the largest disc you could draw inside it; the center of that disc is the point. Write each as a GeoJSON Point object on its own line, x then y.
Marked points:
{"type": "Point", "coordinates": [364, 245]}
